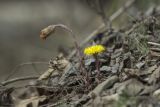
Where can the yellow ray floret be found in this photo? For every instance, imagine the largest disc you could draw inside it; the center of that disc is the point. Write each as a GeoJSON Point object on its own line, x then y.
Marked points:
{"type": "Point", "coordinates": [95, 49]}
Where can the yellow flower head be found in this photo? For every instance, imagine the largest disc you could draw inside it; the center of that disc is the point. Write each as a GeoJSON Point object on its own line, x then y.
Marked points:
{"type": "Point", "coordinates": [95, 49]}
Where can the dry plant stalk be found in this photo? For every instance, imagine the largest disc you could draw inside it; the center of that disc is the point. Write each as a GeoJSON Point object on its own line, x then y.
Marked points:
{"type": "Point", "coordinates": [46, 32]}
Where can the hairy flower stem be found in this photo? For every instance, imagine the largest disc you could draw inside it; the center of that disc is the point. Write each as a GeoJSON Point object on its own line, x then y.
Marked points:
{"type": "Point", "coordinates": [87, 79]}
{"type": "Point", "coordinates": [97, 65]}
{"type": "Point", "coordinates": [80, 56]}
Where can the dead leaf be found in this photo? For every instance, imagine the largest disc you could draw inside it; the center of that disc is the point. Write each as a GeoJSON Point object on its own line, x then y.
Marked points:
{"type": "Point", "coordinates": [5, 95]}
{"type": "Point", "coordinates": [105, 101]}
{"type": "Point", "coordinates": [105, 68]}
{"type": "Point", "coordinates": [34, 101]}
{"type": "Point", "coordinates": [139, 65]}
{"type": "Point", "coordinates": [155, 54]}
{"type": "Point", "coordinates": [157, 94]}
{"type": "Point", "coordinates": [134, 87]}
{"type": "Point", "coordinates": [155, 76]}
{"type": "Point", "coordinates": [57, 64]}
{"type": "Point", "coordinates": [46, 74]}
{"type": "Point", "coordinates": [131, 71]}
{"type": "Point", "coordinates": [147, 90]}
{"type": "Point", "coordinates": [115, 68]}
{"type": "Point", "coordinates": [104, 85]}
{"type": "Point", "coordinates": [70, 69]}
{"type": "Point", "coordinates": [148, 71]}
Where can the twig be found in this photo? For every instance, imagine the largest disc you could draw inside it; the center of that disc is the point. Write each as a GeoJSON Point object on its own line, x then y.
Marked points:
{"type": "Point", "coordinates": [47, 74]}
{"type": "Point", "coordinates": [134, 27]}
{"type": "Point", "coordinates": [150, 10]}
{"type": "Point", "coordinates": [18, 79]}
{"type": "Point", "coordinates": [35, 69]}
{"type": "Point", "coordinates": [23, 64]}
{"type": "Point", "coordinates": [113, 17]}
{"type": "Point", "coordinates": [156, 54]}
{"type": "Point", "coordinates": [105, 19]}
{"type": "Point", "coordinates": [155, 49]}
{"type": "Point", "coordinates": [98, 7]}
{"type": "Point", "coordinates": [153, 43]}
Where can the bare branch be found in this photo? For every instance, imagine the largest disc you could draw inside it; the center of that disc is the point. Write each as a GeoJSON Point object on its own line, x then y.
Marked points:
{"type": "Point", "coordinates": [21, 65]}
{"type": "Point", "coordinates": [112, 18]}
{"type": "Point", "coordinates": [18, 79]}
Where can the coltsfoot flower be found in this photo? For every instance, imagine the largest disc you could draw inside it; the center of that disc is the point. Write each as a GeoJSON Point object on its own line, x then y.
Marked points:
{"type": "Point", "coordinates": [95, 49]}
